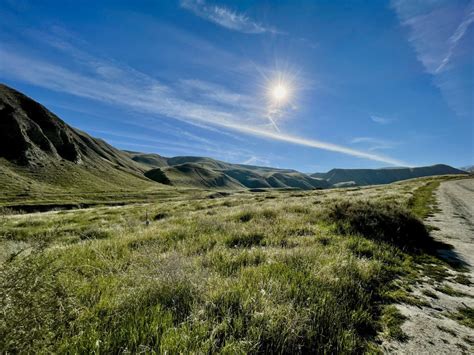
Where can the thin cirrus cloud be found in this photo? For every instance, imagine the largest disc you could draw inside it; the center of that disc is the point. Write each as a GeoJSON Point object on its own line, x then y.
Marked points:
{"type": "Point", "coordinates": [180, 145]}
{"type": "Point", "coordinates": [225, 17]}
{"type": "Point", "coordinates": [375, 143]}
{"type": "Point", "coordinates": [143, 94]}
{"type": "Point", "coordinates": [381, 120]}
{"type": "Point", "coordinates": [457, 36]}
{"type": "Point", "coordinates": [254, 160]}
{"type": "Point", "coordinates": [437, 32]}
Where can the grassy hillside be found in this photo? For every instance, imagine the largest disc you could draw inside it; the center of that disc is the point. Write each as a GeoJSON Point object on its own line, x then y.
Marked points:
{"type": "Point", "coordinates": [66, 183]}
{"type": "Point", "coordinates": [276, 271]}
{"type": "Point", "coordinates": [148, 161]}
{"type": "Point", "coordinates": [363, 177]}
{"type": "Point", "coordinates": [201, 172]}
{"type": "Point", "coordinates": [44, 159]}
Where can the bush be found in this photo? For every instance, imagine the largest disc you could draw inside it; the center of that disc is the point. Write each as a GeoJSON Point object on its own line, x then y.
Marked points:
{"type": "Point", "coordinates": [379, 221]}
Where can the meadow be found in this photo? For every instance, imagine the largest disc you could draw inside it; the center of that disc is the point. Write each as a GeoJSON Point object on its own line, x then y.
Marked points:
{"type": "Point", "coordinates": [241, 272]}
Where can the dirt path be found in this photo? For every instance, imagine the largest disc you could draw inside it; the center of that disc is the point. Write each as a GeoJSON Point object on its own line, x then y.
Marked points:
{"type": "Point", "coordinates": [432, 330]}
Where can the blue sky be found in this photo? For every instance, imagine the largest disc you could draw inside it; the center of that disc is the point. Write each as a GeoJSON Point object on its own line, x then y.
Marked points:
{"type": "Point", "coordinates": [368, 83]}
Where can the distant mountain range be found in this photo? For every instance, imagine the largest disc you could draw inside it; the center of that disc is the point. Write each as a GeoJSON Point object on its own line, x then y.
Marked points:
{"type": "Point", "coordinates": [37, 147]}
{"type": "Point", "coordinates": [210, 173]}
{"type": "Point", "coordinates": [469, 169]}
{"type": "Point", "coordinates": [361, 177]}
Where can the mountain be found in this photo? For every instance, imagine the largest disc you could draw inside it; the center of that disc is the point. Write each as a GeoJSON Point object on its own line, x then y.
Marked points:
{"type": "Point", "coordinates": [469, 169]}
{"type": "Point", "coordinates": [41, 154]}
{"type": "Point", "coordinates": [362, 177]}
{"type": "Point", "coordinates": [33, 136]}
{"type": "Point", "coordinates": [204, 172]}
{"type": "Point", "coordinates": [39, 150]}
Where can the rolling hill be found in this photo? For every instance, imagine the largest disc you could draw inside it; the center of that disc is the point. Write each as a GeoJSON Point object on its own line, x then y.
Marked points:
{"type": "Point", "coordinates": [363, 177]}
{"type": "Point", "coordinates": [204, 172]}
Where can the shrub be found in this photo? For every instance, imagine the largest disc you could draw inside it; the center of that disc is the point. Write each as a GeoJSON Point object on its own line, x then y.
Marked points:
{"type": "Point", "coordinates": [379, 221]}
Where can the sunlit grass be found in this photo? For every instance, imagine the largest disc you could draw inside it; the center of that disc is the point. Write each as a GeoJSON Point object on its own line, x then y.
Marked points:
{"type": "Point", "coordinates": [263, 272]}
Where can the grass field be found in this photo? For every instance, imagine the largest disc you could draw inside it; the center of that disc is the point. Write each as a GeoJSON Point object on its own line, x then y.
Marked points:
{"type": "Point", "coordinates": [276, 271]}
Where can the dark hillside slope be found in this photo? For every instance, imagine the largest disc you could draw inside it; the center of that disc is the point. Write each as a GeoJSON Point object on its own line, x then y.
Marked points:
{"type": "Point", "coordinates": [31, 135]}
{"type": "Point", "coordinates": [40, 152]}
{"type": "Point", "coordinates": [362, 177]}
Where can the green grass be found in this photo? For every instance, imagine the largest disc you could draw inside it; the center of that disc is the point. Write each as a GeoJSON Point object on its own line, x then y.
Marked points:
{"type": "Point", "coordinates": [402, 296]}
{"type": "Point", "coordinates": [430, 294]}
{"type": "Point", "coordinates": [463, 279]}
{"type": "Point", "coordinates": [464, 315]}
{"type": "Point", "coordinates": [393, 320]}
{"type": "Point", "coordinates": [265, 272]}
{"type": "Point", "coordinates": [65, 185]}
{"type": "Point", "coordinates": [423, 202]}
{"type": "Point", "coordinates": [448, 290]}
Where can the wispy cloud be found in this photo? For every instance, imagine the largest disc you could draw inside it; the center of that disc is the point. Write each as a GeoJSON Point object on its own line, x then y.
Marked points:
{"type": "Point", "coordinates": [254, 160]}
{"type": "Point", "coordinates": [143, 94]}
{"type": "Point", "coordinates": [456, 37]}
{"type": "Point", "coordinates": [313, 143]}
{"type": "Point", "coordinates": [200, 147]}
{"type": "Point", "coordinates": [381, 120]}
{"type": "Point", "coordinates": [374, 144]}
{"type": "Point", "coordinates": [217, 93]}
{"type": "Point", "coordinates": [225, 17]}
{"type": "Point", "coordinates": [436, 31]}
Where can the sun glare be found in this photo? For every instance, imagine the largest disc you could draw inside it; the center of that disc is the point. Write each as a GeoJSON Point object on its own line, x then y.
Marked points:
{"type": "Point", "coordinates": [280, 92]}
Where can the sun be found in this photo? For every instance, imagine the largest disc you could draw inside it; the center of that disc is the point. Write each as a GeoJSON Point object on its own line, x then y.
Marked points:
{"type": "Point", "coordinates": [280, 92]}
